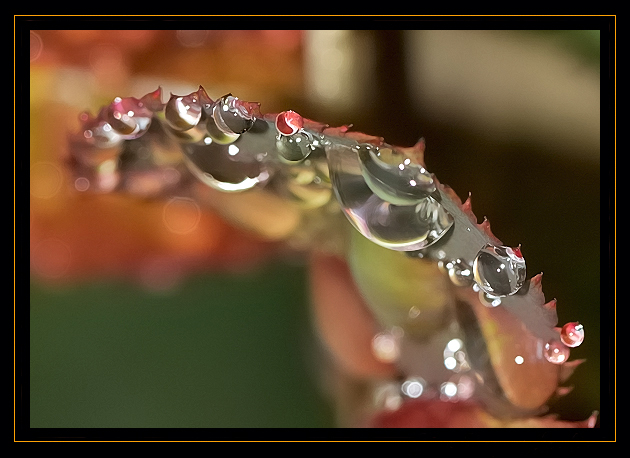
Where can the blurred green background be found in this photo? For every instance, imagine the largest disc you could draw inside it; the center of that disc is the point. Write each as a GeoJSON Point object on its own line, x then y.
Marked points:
{"type": "Point", "coordinates": [225, 349]}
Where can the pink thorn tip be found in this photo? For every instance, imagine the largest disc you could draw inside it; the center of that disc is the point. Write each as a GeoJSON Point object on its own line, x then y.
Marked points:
{"type": "Point", "coordinates": [575, 363]}
{"type": "Point", "coordinates": [551, 305]}
{"type": "Point", "coordinates": [467, 203]}
{"type": "Point", "coordinates": [563, 390]}
{"type": "Point", "coordinates": [517, 251]}
{"type": "Point", "coordinates": [420, 145]}
{"type": "Point", "coordinates": [203, 95]}
{"type": "Point", "coordinates": [592, 420]}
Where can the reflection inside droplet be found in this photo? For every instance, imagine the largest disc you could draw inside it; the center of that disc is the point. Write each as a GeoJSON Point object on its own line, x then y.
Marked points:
{"type": "Point", "coordinates": [397, 227]}
{"type": "Point", "coordinates": [499, 270]}
{"type": "Point", "coordinates": [393, 177]}
{"type": "Point", "coordinates": [229, 168]}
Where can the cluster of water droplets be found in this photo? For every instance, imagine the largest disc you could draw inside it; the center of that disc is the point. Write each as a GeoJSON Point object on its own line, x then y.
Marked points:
{"type": "Point", "coordinates": [385, 193]}
{"type": "Point", "coordinates": [458, 383]}
{"type": "Point", "coordinates": [209, 132]}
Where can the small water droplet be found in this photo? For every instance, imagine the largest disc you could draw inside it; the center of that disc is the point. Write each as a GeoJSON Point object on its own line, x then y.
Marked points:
{"type": "Point", "coordinates": [572, 334]}
{"type": "Point", "coordinates": [455, 356]}
{"type": "Point", "coordinates": [82, 184]}
{"type": "Point", "coordinates": [397, 227]}
{"type": "Point", "coordinates": [556, 352]}
{"type": "Point", "coordinates": [488, 299]}
{"type": "Point", "coordinates": [232, 116]}
{"type": "Point", "coordinates": [386, 347]}
{"type": "Point", "coordinates": [289, 122]}
{"type": "Point", "coordinates": [413, 387]}
{"type": "Point", "coordinates": [499, 270]}
{"type": "Point", "coordinates": [393, 177]}
{"type": "Point", "coordinates": [448, 391]}
{"type": "Point", "coordinates": [460, 272]}
{"type": "Point", "coordinates": [296, 147]}
{"type": "Point", "coordinates": [414, 312]}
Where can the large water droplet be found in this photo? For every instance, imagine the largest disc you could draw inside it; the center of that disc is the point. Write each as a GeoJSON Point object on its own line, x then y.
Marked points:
{"type": "Point", "coordinates": [232, 116]}
{"type": "Point", "coordinates": [394, 226]}
{"type": "Point", "coordinates": [499, 270]}
{"type": "Point", "coordinates": [393, 177]}
{"type": "Point", "coordinates": [225, 167]}
{"type": "Point", "coordinates": [572, 334]}
{"type": "Point", "coordinates": [556, 352]}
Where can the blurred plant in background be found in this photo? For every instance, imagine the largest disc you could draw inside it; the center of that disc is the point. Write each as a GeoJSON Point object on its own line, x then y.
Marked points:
{"type": "Point", "coordinates": [506, 114]}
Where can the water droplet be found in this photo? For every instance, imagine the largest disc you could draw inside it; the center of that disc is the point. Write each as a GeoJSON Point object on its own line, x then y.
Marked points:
{"type": "Point", "coordinates": [488, 299]}
{"type": "Point", "coordinates": [224, 167]}
{"type": "Point", "coordinates": [455, 356]}
{"type": "Point", "coordinates": [82, 184]}
{"type": "Point", "coordinates": [572, 334]}
{"type": "Point", "coordinates": [232, 116]}
{"type": "Point", "coordinates": [413, 387]}
{"type": "Point", "coordinates": [448, 391]}
{"type": "Point", "coordinates": [296, 147]}
{"type": "Point", "coordinates": [393, 177]}
{"type": "Point", "coordinates": [460, 272]}
{"type": "Point", "coordinates": [499, 270]}
{"type": "Point", "coordinates": [386, 347]}
{"type": "Point", "coordinates": [129, 117]}
{"type": "Point", "coordinates": [556, 352]}
{"type": "Point", "coordinates": [289, 122]}
{"type": "Point", "coordinates": [101, 134]}
{"type": "Point", "coordinates": [465, 387]}
{"type": "Point", "coordinates": [397, 227]}
{"type": "Point", "coordinates": [183, 112]}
